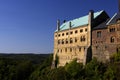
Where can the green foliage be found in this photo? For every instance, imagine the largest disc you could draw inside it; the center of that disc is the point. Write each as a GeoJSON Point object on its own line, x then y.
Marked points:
{"type": "Point", "coordinates": [42, 70]}
{"type": "Point", "coordinates": [94, 70]}
{"type": "Point", "coordinates": [73, 68]}
{"type": "Point", "coordinates": [115, 57]}
{"type": "Point", "coordinates": [13, 69]}
{"type": "Point", "coordinates": [58, 74]}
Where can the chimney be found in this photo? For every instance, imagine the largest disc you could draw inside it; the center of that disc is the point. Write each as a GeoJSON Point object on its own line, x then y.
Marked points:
{"type": "Point", "coordinates": [90, 21]}
{"type": "Point", "coordinates": [64, 21]}
{"type": "Point", "coordinates": [70, 25]}
{"type": "Point", "coordinates": [58, 25]}
{"type": "Point", "coordinates": [118, 6]}
{"type": "Point", "coordinates": [91, 17]}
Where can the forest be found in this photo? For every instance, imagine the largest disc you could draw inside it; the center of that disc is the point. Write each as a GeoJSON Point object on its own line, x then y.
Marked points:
{"type": "Point", "coordinates": [38, 67]}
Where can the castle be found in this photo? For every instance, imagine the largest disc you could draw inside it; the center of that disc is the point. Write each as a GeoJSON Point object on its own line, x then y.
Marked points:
{"type": "Point", "coordinates": [94, 35]}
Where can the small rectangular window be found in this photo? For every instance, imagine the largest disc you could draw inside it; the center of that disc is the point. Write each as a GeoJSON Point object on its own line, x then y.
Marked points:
{"type": "Point", "coordinates": [61, 50]}
{"type": "Point", "coordinates": [75, 39]}
{"type": "Point", "coordinates": [62, 34]}
{"type": "Point", "coordinates": [81, 30]}
{"type": "Point", "coordinates": [67, 33]}
{"type": "Point", "coordinates": [79, 49]}
{"type": "Point", "coordinates": [85, 29]}
{"type": "Point", "coordinates": [99, 34]}
{"type": "Point", "coordinates": [71, 32]}
{"type": "Point", "coordinates": [76, 31]}
{"type": "Point", "coordinates": [59, 35]}
{"type": "Point", "coordinates": [112, 29]}
{"type": "Point", "coordinates": [55, 35]}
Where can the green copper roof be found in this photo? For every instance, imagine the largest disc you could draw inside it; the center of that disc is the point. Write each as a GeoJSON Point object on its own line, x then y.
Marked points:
{"type": "Point", "coordinates": [78, 22]}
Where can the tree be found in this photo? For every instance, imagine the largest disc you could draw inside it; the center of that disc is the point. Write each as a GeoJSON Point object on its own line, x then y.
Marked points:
{"type": "Point", "coordinates": [73, 68]}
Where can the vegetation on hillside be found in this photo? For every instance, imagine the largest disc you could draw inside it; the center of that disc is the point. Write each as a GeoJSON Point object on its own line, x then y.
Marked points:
{"type": "Point", "coordinates": [11, 69]}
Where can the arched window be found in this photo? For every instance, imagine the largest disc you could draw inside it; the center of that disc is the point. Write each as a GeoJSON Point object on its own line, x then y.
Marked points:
{"type": "Point", "coordinates": [112, 40]}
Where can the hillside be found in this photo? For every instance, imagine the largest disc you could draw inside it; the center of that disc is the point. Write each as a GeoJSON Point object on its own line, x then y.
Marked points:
{"type": "Point", "coordinates": [34, 58]}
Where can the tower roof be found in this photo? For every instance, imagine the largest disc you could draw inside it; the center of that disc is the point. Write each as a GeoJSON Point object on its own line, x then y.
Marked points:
{"type": "Point", "coordinates": [79, 21]}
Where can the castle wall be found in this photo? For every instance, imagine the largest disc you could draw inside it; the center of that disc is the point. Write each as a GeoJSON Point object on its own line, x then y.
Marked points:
{"type": "Point", "coordinates": [106, 42]}
{"type": "Point", "coordinates": [70, 44]}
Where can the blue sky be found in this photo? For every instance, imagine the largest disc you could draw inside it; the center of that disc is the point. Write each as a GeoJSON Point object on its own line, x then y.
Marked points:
{"type": "Point", "coordinates": [27, 26]}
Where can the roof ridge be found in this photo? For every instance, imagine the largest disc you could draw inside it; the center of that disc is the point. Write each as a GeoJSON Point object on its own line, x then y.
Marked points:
{"type": "Point", "coordinates": [111, 19]}
{"type": "Point", "coordinates": [83, 20]}
{"type": "Point", "coordinates": [85, 16]}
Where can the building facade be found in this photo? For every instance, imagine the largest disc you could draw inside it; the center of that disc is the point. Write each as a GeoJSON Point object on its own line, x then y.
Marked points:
{"type": "Point", "coordinates": [106, 38]}
{"type": "Point", "coordinates": [75, 38]}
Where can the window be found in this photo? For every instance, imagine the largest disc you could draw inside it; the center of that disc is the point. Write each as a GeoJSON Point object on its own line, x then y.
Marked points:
{"type": "Point", "coordinates": [82, 38]}
{"type": "Point", "coordinates": [55, 35]}
{"type": "Point", "coordinates": [99, 34]}
{"type": "Point", "coordinates": [84, 48]}
{"type": "Point", "coordinates": [105, 47]}
{"type": "Point", "coordinates": [59, 35]}
{"type": "Point", "coordinates": [81, 30]}
{"type": "Point", "coordinates": [96, 47]}
{"type": "Point", "coordinates": [66, 41]}
{"type": "Point", "coordinates": [65, 49]}
{"type": "Point", "coordinates": [61, 50]}
{"type": "Point", "coordinates": [112, 40]}
{"type": "Point", "coordinates": [62, 34]}
{"type": "Point", "coordinates": [71, 32]}
{"type": "Point", "coordinates": [75, 39]}
{"type": "Point", "coordinates": [67, 33]}
{"type": "Point", "coordinates": [71, 41]}
{"type": "Point", "coordinates": [79, 49]}
{"type": "Point", "coordinates": [62, 41]}
{"type": "Point", "coordinates": [58, 41]}
{"type": "Point", "coordinates": [85, 29]}
{"type": "Point", "coordinates": [112, 29]}
{"type": "Point", "coordinates": [76, 31]}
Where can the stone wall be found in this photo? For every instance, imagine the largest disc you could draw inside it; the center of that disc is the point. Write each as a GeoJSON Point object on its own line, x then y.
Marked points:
{"type": "Point", "coordinates": [106, 42]}
{"type": "Point", "coordinates": [70, 44]}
